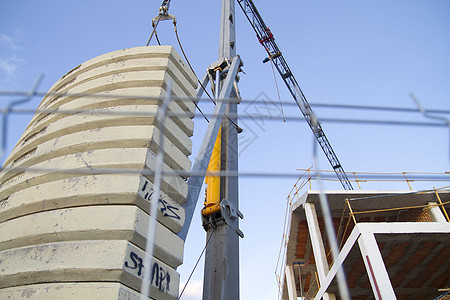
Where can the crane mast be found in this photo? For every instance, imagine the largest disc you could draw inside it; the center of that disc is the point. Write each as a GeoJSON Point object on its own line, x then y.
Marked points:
{"type": "Point", "coordinates": [267, 40]}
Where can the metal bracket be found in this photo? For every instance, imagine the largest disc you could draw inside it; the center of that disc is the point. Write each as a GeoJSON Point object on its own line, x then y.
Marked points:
{"type": "Point", "coordinates": [230, 216]}
{"type": "Point", "coordinates": [220, 64]}
{"type": "Point", "coordinates": [162, 17]}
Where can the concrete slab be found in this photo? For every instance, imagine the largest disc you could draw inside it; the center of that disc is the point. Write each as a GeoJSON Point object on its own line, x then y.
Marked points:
{"type": "Point", "coordinates": [101, 138]}
{"type": "Point", "coordinates": [164, 280]}
{"type": "Point", "coordinates": [122, 80]}
{"type": "Point", "coordinates": [108, 117]}
{"type": "Point", "coordinates": [129, 65]}
{"type": "Point", "coordinates": [170, 213]}
{"type": "Point", "coordinates": [83, 223]}
{"type": "Point", "coordinates": [71, 290]}
{"type": "Point", "coordinates": [122, 64]}
{"type": "Point", "coordinates": [130, 159]}
{"type": "Point", "coordinates": [118, 70]}
{"type": "Point", "coordinates": [128, 54]}
{"type": "Point", "coordinates": [108, 99]}
{"type": "Point", "coordinates": [80, 191]}
{"type": "Point", "coordinates": [371, 200]}
{"type": "Point", "coordinates": [75, 261]}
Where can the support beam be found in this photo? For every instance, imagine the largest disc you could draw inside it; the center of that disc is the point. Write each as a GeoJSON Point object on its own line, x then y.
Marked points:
{"type": "Point", "coordinates": [317, 246]}
{"type": "Point", "coordinates": [436, 213]}
{"type": "Point", "coordinates": [377, 228]}
{"type": "Point", "coordinates": [316, 241]}
{"type": "Point", "coordinates": [203, 83]}
{"type": "Point", "coordinates": [348, 246]}
{"type": "Point", "coordinates": [376, 270]}
{"type": "Point", "coordinates": [290, 279]}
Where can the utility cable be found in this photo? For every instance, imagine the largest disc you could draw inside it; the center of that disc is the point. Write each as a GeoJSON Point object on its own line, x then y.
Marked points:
{"type": "Point", "coordinates": [154, 29]}
{"type": "Point", "coordinates": [157, 39]}
{"type": "Point", "coordinates": [278, 91]}
{"type": "Point", "coordinates": [192, 69]}
{"type": "Point", "coordinates": [427, 115]}
{"type": "Point", "coordinates": [198, 260]}
{"type": "Point", "coordinates": [187, 60]}
{"type": "Point", "coordinates": [239, 129]}
{"type": "Point", "coordinates": [164, 11]}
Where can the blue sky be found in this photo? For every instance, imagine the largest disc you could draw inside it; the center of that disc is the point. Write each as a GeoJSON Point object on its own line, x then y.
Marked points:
{"type": "Point", "coordinates": [341, 52]}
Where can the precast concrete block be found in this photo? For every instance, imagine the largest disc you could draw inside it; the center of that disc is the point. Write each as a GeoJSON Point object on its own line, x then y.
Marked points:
{"type": "Point", "coordinates": [121, 80]}
{"type": "Point", "coordinates": [137, 160]}
{"type": "Point", "coordinates": [102, 138]}
{"type": "Point", "coordinates": [126, 69]}
{"type": "Point", "coordinates": [122, 55]}
{"type": "Point", "coordinates": [164, 280]}
{"type": "Point", "coordinates": [108, 99]}
{"type": "Point", "coordinates": [86, 261]}
{"type": "Point", "coordinates": [108, 117]}
{"type": "Point", "coordinates": [83, 223]}
{"type": "Point", "coordinates": [86, 190]}
{"type": "Point", "coordinates": [71, 290]}
{"type": "Point", "coordinates": [170, 213]}
{"type": "Point", "coordinates": [128, 66]}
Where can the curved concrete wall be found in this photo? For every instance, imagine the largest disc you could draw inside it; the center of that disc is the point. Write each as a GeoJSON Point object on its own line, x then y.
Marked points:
{"type": "Point", "coordinates": [63, 226]}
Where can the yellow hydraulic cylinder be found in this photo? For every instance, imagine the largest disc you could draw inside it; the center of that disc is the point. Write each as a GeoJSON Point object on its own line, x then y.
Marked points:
{"type": "Point", "coordinates": [212, 202]}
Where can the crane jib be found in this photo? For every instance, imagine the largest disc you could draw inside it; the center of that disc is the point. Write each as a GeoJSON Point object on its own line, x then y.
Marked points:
{"type": "Point", "coordinates": [266, 38]}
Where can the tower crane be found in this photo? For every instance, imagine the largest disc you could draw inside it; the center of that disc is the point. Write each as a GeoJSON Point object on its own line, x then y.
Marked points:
{"type": "Point", "coordinates": [267, 40]}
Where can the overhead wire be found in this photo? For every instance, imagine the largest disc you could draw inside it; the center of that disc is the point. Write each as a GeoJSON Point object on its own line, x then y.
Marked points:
{"type": "Point", "coordinates": [276, 85]}
{"type": "Point", "coordinates": [243, 101]}
{"type": "Point", "coordinates": [192, 69]}
{"type": "Point", "coordinates": [154, 29]}
{"type": "Point", "coordinates": [201, 85]}
{"type": "Point", "coordinates": [157, 39]}
{"type": "Point", "coordinates": [428, 116]}
{"type": "Point", "coordinates": [248, 116]}
{"type": "Point", "coordinates": [196, 264]}
{"type": "Point", "coordinates": [92, 170]}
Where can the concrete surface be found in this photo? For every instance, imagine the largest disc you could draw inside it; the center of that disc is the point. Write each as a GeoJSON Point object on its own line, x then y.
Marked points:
{"type": "Point", "coordinates": [102, 138]}
{"type": "Point", "coordinates": [69, 192]}
{"type": "Point", "coordinates": [108, 117]}
{"type": "Point", "coordinates": [129, 54]}
{"type": "Point", "coordinates": [109, 99]}
{"type": "Point", "coordinates": [72, 290]}
{"type": "Point", "coordinates": [85, 261]}
{"type": "Point", "coordinates": [82, 223]}
{"type": "Point", "coordinates": [136, 159]}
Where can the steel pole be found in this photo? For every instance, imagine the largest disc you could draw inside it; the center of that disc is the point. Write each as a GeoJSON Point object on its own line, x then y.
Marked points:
{"type": "Point", "coordinates": [221, 276]}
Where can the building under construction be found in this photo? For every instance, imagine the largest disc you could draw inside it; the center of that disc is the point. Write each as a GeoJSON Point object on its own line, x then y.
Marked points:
{"type": "Point", "coordinates": [392, 245]}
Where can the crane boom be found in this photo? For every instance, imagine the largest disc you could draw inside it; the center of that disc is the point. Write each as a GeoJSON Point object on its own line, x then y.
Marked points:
{"type": "Point", "coordinates": [266, 39]}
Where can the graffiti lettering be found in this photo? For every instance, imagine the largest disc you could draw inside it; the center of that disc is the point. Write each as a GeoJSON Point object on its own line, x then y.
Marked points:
{"type": "Point", "coordinates": [166, 209]}
{"type": "Point", "coordinates": [136, 264]}
{"type": "Point", "coordinates": [160, 278]}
